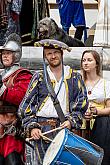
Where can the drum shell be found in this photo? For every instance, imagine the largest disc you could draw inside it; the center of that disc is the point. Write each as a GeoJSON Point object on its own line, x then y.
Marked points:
{"type": "Point", "coordinates": [64, 153]}
{"type": "Point", "coordinates": [74, 150]}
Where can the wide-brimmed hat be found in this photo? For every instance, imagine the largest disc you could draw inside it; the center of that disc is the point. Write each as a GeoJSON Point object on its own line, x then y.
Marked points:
{"type": "Point", "coordinates": [50, 43]}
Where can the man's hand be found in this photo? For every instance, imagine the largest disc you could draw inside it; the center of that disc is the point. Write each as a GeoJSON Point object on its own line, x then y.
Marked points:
{"type": "Point", "coordinates": [1, 83]}
{"type": "Point", "coordinates": [66, 124]}
{"type": "Point", "coordinates": [36, 133]}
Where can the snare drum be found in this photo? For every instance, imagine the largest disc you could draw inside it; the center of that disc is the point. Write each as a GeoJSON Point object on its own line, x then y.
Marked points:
{"type": "Point", "coordinates": [68, 148]}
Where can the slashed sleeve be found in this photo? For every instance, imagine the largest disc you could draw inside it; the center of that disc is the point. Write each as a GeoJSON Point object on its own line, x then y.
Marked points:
{"type": "Point", "coordinates": [79, 104]}
{"type": "Point", "coordinates": [29, 104]}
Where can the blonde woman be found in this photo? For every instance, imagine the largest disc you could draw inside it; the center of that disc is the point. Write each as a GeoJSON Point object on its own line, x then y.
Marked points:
{"type": "Point", "coordinates": [98, 91]}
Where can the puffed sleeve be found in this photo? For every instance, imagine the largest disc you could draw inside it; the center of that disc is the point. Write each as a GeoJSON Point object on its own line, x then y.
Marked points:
{"type": "Point", "coordinates": [28, 106]}
{"type": "Point", "coordinates": [79, 104]}
{"type": "Point", "coordinates": [15, 93]}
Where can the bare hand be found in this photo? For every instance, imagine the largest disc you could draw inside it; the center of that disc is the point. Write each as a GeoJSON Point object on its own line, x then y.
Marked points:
{"type": "Point", "coordinates": [93, 110]}
{"type": "Point", "coordinates": [66, 124]}
{"type": "Point", "coordinates": [36, 133]}
{"type": "Point", "coordinates": [88, 115]}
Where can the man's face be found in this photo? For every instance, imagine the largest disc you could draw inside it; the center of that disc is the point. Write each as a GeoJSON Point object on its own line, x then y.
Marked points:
{"type": "Point", "coordinates": [53, 56]}
{"type": "Point", "coordinates": [7, 58]}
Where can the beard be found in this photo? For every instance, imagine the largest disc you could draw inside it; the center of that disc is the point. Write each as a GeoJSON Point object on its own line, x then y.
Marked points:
{"type": "Point", "coordinates": [55, 63]}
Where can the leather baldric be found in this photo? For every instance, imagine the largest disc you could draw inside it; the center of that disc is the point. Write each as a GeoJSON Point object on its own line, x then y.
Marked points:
{"type": "Point", "coordinates": [54, 97]}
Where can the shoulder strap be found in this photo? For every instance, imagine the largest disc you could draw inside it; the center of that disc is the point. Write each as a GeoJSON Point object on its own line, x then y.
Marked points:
{"type": "Point", "coordinates": [54, 99]}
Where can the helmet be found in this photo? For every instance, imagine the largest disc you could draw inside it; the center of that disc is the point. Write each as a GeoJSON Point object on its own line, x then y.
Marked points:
{"type": "Point", "coordinates": [13, 43]}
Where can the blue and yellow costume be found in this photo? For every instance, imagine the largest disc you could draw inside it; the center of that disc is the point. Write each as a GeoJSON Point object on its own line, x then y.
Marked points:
{"type": "Point", "coordinates": [37, 96]}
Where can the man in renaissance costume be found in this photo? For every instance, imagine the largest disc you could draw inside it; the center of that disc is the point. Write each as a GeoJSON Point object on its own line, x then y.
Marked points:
{"type": "Point", "coordinates": [14, 81]}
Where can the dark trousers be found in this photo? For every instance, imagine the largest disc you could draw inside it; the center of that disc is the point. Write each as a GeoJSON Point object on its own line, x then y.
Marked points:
{"type": "Point", "coordinates": [106, 158]}
{"type": "Point", "coordinates": [13, 158]}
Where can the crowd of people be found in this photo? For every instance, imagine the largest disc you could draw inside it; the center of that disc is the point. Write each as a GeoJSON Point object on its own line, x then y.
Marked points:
{"type": "Point", "coordinates": [55, 97]}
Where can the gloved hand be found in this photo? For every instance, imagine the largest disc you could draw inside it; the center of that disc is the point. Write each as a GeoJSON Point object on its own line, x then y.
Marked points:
{"type": "Point", "coordinates": [1, 83]}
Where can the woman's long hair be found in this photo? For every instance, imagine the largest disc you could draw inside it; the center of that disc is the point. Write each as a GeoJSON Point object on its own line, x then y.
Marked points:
{"type": "Point", "coordinates": [98, 63]}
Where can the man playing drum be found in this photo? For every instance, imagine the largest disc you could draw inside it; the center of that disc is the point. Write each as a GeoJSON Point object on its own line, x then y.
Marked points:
{"type": "Point", "coordinates": [55, 97]}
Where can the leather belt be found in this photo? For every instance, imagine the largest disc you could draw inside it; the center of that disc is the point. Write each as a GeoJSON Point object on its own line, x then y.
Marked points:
{"type": "Point", "coordinates": [7, 109]}
{"type": "Point", "coordinates": [51, 122]}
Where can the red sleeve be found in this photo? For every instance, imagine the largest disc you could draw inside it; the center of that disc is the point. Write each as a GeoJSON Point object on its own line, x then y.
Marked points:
{"type": "Point", "coordinates": [16, 93]}
{"type": "Point", "coordinates": [15, 16]}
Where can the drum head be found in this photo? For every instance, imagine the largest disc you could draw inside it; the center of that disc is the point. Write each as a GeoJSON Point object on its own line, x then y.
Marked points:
{"type": "Point", "coordinates": [54, 148]}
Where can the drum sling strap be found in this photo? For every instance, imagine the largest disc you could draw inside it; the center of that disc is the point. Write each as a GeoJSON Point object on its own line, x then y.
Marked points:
{"type": "Point", "coordinates": [54, 97]}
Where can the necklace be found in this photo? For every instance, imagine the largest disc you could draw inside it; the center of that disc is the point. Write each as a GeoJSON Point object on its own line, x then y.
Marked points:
{"type": "Point", "coordinates": [90, 89]}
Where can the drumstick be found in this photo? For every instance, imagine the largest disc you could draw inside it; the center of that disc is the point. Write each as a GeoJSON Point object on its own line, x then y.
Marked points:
{"type": "Point", "coordinates": [44, 137]}
{"type": "Point", "coordinates": [56, 129]}
{"type": "Point", "coordinates": [29, 139]}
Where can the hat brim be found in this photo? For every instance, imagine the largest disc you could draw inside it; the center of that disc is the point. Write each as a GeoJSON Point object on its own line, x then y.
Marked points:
{"type": "Point", "coordinates": [49, 43]}
{"type": "Point", "coordinates": [2, 48]}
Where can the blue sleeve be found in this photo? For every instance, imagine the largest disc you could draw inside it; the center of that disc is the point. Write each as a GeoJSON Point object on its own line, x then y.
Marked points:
{"type": "Point", "coordinates": [28, 106]}
{"type": "Point", "coordinates": [80, 103]}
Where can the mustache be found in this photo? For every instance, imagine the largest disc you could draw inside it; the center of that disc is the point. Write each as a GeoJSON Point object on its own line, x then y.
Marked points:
{"type": "Point", "coordinates": [53, 59]}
